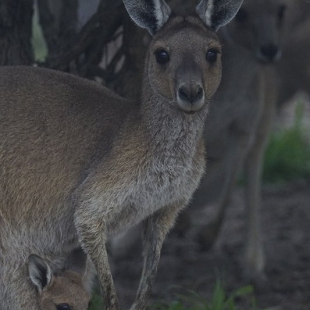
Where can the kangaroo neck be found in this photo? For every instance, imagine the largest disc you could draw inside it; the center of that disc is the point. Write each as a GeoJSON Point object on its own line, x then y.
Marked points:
{"type": "Point", "coordinates": [167, 126]}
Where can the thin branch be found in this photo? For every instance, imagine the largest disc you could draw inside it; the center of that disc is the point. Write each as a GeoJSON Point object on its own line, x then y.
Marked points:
{"type": "Point", "coordinates": [68, 21]}
{"type": "Point", "coordinates": [111, 69]}
{"type": "Point", "coordinates": [48, 25]}
{"type": "Point", "coordinates": [97, 71]}
{"type": "Point", "coordinates": [104, 22]}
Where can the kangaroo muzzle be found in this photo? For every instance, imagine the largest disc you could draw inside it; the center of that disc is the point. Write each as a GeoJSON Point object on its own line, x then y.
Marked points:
{"type": "Point", "coordinates": [190, 97]}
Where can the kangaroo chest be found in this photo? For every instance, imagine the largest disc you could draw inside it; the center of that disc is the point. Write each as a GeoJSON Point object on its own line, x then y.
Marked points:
{"type": "Point", "coordinates": [160, 183]}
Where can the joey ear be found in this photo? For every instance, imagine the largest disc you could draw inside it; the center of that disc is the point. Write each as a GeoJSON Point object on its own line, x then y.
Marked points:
{"type": "Point", "coordinates": [40, 272]}
{"type": "Point", "coordinates": [217, 13]}
{"type": "Point", "coordinates": [149, 14]}
{"type": "Point", "coordinates": [76, 261]}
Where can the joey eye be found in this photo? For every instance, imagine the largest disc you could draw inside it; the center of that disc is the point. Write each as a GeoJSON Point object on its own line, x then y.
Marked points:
{"type": "Point", "coordinates": [63, 307]}
{"type": "Point", "coordinates": [211, 55]}
{"type": "Point", "coordinates": [281, 12]}
{"type": "Point", "coordinates": [241, 16]}
{"type": "Point", "coordinates": [162, 56]}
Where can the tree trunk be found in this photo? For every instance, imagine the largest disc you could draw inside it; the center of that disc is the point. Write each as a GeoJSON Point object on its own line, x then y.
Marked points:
{"type": "Point", "coordinates": [16, 32]}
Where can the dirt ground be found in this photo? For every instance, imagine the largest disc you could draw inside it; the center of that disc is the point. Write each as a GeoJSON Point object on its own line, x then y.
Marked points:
{"type": "Point", "coordinates": [183, 266]}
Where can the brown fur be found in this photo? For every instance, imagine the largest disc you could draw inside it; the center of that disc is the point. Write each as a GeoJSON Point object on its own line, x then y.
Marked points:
{"type": "Point", "coordinates": [80, 164]}
{"type": "Point", "coordinates": [62, 291]}
{"type": "Point", "coordinates": [66, 288]}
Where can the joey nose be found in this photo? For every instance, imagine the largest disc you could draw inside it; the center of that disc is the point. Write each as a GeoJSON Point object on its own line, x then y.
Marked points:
{"type": "Point", "coordinates": [190, 97]}
{"type": "Point", "coordinates": [269, 52]}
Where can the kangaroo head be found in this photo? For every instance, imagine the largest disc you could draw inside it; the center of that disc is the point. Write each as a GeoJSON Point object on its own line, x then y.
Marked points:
{"type": "Point", "coordinates": [183, 61]}
{"type": "Point", "coordinates": [259, 26]}
{"type": "Point", "coordinates": [58, 292]}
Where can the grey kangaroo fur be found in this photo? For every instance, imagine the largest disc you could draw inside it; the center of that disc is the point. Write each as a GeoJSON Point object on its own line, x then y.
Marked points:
{"type": "Point", "coordinates": [250, 119]}
{"type": "Point", "coordinates": [80, 164]}
{"type": "Point", "coordinates": [64, 290]}
{"type": "Point", "coordinates": [240, 121]}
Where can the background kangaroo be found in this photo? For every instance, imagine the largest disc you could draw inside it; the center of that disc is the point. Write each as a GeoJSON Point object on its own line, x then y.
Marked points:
{"type": "Point", "coordinates": [79, 163]}
{"type": "Point", "coordinates": [240, 120]}
{"type": "Point", "coordinates": [62, 291]}
{"type": "Point", "coordinates": [270, 30]}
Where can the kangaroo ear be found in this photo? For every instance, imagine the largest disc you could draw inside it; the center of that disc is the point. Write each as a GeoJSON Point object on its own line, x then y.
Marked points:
{"type": "Point", "coordinates": [40, 272]}
{"type": "Point", "coordinates": [149, 14]}
{"type": "Point", "coordinates": [217, 13]}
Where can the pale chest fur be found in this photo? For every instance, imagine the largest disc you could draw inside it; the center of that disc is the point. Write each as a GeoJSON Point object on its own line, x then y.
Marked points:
{"type": "Point", "coordinates": [159, 182]}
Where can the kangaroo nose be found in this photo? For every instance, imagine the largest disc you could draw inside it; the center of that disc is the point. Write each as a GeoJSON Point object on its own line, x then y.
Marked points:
{"type": "Point", "coordinates": [190, 93]}
{"type": "Point", "coordinates": [269, 52]}
{"type": "Point", "coordinates": [190, 97]}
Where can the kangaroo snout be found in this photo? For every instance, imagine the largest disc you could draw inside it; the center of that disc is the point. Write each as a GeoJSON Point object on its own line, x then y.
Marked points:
{"type": "Point", "coordinates": [269, 53]}
{"type": "Point", "coordinates": [190, 97]}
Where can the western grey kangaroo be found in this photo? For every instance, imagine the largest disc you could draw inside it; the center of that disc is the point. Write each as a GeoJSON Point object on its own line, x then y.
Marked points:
{"type": "Point", "coordinates": [80, 164]}
{"type": "Point", "coordinates": [242, 112]}
{"type": "Point", "coordinates": [62, 291]}
{"type": "Point", "coordinates": [240, 120]}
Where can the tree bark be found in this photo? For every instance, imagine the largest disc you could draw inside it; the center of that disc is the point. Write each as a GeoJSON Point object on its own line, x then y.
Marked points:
{"type": "Point", "coordinates": [59, 25]}
{"type": "Point", "coordinates": [16, 32]}
{"type": "Point", "coordinates": [135, 42]}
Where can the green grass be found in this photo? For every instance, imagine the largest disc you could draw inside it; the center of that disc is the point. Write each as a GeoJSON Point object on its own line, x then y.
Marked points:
{"type": "Point", "coordinates": [287, 156]}
{"type": "Point", "coordinates": [96, 302]}
{"type": "Point", "coordinates": [220, 300]}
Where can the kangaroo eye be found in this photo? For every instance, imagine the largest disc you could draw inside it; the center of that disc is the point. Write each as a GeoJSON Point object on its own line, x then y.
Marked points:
{"type": "Point", "coordinates": [63, 307]}
{"type": "Point", "coordinates": [211, 55]}
{"type": "Point", "coordinates": [162, 56]}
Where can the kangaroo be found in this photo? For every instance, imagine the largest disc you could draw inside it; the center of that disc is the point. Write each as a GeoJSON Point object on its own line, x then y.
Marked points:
{"type": "Point", "coordinates": [79, 164]}
{"type": "Point", "coordinates": [240, 120]}
{"type": "Point", "coordinates": [260, 46]}
{"type": "Point", "coordinates": [62, 291]}
{"type": "Point", "coordinates": [289, 30]}
{"type": "Point", "coordinates": [284, 79]}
